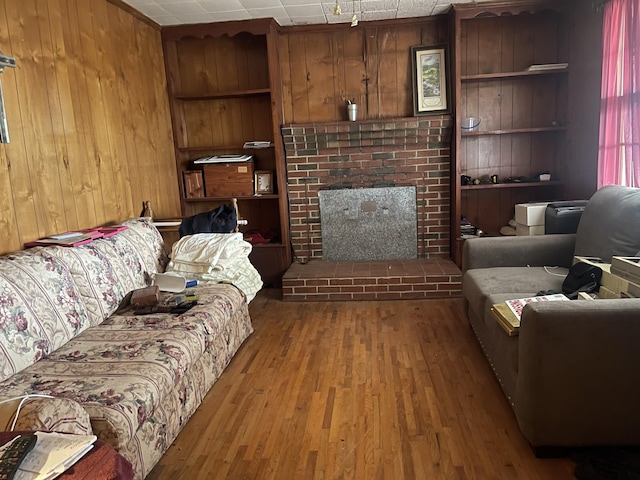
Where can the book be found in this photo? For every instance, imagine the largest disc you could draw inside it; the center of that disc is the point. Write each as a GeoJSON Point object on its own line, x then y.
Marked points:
{"type": "Point", "coordinates": [256, 144]}
{"type": "Point", "coordinates": [626, 264]}
{"type": "Point", "coordinates": [506, 319]}
{"type": "Point", "coordinates": [223, 159]}
{"type": "Point", "coordinates": [547, 66]}
{"type": "Point", "coordinates": [64, 236]}
{"type": "Point", "coordinates": [518, 304]}
{"type": "Point", "coordinates": [508, 314]}
{"type": "Point", "coordinates": [64, 242]}
{"type": "Point", "coordinates": [626, 275]}
{"type": "Point", "coordinates": [53, 454]}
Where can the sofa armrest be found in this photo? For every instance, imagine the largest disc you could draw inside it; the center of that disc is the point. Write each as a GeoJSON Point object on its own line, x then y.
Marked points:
{"type": "Point", "coordinates": [535, 251]}
{"type": "Point", "coordinates": [578, 380]}
{"type": "Point", "coordinates": [46, 414]}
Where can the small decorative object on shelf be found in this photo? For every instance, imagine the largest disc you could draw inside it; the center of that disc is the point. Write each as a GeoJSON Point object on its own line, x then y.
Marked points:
{"type": "Point", "coordinates": [147, 212]}
{"type": "Point", "coordinates": [352, 110]}
{"type": "Point", "coordinates": [193, 184]}
{"type": "Point", "coordinates": [263, 182]}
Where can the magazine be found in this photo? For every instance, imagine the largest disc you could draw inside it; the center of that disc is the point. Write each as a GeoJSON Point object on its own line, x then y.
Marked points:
{"type": "Point", "coordinates": [518, 304]}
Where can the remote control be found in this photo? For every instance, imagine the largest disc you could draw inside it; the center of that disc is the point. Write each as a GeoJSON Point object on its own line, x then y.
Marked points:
{"type": "Point", "coordinates": [11, 458]}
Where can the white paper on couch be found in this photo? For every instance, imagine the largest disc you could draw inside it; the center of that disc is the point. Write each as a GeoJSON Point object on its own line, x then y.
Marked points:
{"type": "Point", "coordinates": [518, 304]}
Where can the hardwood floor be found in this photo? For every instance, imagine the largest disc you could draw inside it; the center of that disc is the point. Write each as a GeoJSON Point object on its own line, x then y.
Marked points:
{"type": "Point", "coordinates": [356, 390]}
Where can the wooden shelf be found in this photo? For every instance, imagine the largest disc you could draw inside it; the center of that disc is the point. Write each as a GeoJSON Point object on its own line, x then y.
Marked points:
{"type": "Point", "coordinates": [239, 197]}
{"type": "Point", "coordinates": [511, 131]}
{"type": "Point", "coordinates": [488, 186]}
{"type": "Point", "coordinates": [521, 74]}
{"type": "Point", "coordinates": [267, 245]}
{"type": "Point", "coordinates": [231, 94]}
{"type": "Point", "coordinates": [210, 148]}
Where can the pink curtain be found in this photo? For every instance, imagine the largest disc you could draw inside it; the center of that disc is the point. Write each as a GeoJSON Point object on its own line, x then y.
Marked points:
{"type": "Point", "coordinates": [619, 152]}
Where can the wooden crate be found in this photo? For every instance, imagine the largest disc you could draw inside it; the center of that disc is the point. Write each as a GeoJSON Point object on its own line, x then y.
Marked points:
{"type": "Point", "coordinates": [228, 179]}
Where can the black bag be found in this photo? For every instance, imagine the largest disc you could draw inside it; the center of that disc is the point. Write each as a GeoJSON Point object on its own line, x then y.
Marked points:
{"type": "Point", "coordinates": [582, 277]}
{"type": "Point", "coordinates": [221, 220]}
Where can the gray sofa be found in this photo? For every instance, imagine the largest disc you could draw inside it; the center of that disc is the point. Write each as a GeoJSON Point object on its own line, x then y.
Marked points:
{"type": "Point", "coordinates": [572, 375]}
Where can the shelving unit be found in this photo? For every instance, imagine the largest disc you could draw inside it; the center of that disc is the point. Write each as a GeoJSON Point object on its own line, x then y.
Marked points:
{"type": "Point", "coordinates": [225, 90]}
{"type": "Point", "coordinates": [523, 113]}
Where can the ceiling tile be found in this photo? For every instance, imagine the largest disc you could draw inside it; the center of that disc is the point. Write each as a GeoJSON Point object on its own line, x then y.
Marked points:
{"type": "Point", "coordinates": [186, 8]}
{"type": "Point", "coordinates": [306, 12]}
{"type": "Point", "coordinates": [222, 6]}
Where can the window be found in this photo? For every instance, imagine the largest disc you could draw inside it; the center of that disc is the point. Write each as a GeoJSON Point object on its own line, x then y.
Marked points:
{"type": "Point", "coordinates": [619, 151]}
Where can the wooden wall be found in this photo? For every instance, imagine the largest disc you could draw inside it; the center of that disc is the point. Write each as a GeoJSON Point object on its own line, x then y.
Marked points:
{"type": "Point", "coordinates": [323, 67]}
{"type": "Point", "coordinates": [88, 117]}
{"type": "Point", "coordinates": [585, 78]}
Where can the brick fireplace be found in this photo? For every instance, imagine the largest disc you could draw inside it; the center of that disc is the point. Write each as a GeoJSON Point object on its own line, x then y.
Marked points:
{"type": "Point", "coordinates": [412, 152]}
{"type": "Point", "coordinates": [377, 153]}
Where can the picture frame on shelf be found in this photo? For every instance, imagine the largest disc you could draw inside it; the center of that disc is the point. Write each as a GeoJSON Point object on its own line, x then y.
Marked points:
{"type": "Point", "coordinates": [263, 182]}
{"type": "Point", "coordinates": [430, 67]}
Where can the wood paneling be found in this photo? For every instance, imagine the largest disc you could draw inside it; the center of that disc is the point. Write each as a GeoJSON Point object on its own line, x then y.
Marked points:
{"type": "Point", "coordinates": [88, 118]}
{"type": "Point", "coordinates": [322, 68]}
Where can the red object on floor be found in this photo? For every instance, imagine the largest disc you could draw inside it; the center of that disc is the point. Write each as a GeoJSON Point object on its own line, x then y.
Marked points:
{"type": "Point", "coordinates": [102, 462]}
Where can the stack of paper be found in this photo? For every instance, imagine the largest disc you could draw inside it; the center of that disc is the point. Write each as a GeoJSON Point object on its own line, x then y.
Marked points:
{"type": "Point", "coordinates": [547, 66]}
{"type": "Point", "coordinates": [223, 159]}
{"type": "Point", "coordinates": [53, 454]}
{"type": "Point", "coordinates": [256, 144]}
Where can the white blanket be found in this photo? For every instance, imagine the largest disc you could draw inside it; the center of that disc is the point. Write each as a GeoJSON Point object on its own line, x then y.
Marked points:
{"type": "Point", "coordinates": [216, 258]}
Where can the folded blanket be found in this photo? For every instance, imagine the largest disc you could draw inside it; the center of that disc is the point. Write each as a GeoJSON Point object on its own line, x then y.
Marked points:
{"type": "Point", "coordinates": [216, 258]}
{"type": "Point", "coordinates": [205, 252]}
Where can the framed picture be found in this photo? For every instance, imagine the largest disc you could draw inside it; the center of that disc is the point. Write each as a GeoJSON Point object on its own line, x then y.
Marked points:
{"type": "Point", "coordinates": [263, 183]}
{"type": "Point", "coordinates": [430, 79]}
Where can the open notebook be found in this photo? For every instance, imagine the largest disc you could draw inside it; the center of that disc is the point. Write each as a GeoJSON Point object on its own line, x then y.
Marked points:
{"type": "Point", "coordinates": [53, 454]}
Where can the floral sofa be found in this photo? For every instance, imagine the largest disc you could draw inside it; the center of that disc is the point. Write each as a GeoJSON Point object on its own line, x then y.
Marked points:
{"type": "Point", "coordinates": [134, 381]}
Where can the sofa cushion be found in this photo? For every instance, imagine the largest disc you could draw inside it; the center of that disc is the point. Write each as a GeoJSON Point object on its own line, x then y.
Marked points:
{"type": "Point", "coordinates": [121, 370]}
{"type": "Point", "coordinates": [95, 276]}
{"type": "Point", "coordinates": [40, 310]}
{"type": "Point", "coordinates": [105, 270]}
{"type": "Point", "coordinates": [610, 224]}
{"type": "Point", "coordinates": [512, 282]}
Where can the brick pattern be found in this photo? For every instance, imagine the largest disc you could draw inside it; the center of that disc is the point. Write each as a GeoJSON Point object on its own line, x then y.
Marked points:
{"type": "Point", "coordinates": [396, 152]}
{"type": "Point", "coordinates": [380, 280]}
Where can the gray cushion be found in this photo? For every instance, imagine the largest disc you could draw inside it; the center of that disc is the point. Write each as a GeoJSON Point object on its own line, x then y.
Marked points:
{"type": "Point", "coordinates": [610, 224]}
{"type": "Point", "coordinates": [511, 282]}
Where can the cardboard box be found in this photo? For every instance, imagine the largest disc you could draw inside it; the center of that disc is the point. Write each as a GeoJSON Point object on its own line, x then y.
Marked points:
{"type": "Point", "coordinates": [529, 229]}
{"type": "Point", "coordinates": [612, 283]}
{"type": "Point", "coordinates": [228, 179]}
{"type": "Point", "coordinates": [531, 213]}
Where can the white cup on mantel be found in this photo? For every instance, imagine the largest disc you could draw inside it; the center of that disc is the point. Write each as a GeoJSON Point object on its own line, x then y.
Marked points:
{"type": "Point", "coordinates": [352, 111]}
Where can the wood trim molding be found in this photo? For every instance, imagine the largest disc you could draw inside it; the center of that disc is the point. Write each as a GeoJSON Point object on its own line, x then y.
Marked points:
{"type": "Point", "coordinates": [135, 13]}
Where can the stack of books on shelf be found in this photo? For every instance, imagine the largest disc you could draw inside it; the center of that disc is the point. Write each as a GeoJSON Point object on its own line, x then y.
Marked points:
{"type": "Point", "coordinates": [467, 230]}
{"type": "Point", "coordinates": [223, 159]}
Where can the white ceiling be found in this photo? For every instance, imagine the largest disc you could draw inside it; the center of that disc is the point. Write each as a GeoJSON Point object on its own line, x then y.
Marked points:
{"type": "Point", "coordinates": [286, 12]}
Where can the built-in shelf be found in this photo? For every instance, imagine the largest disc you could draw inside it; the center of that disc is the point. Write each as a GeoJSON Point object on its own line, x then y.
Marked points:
{"type": "Point", "coordinates": [230, 94]}
{"type": "Point", "coordinates": [487, 186]}
{"type": "Point", "coordinates": [522, 74]}
{"type": "Point", "coordinates": [510, 131]}
{"type": "Point", "coordinates": [239, 197]}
